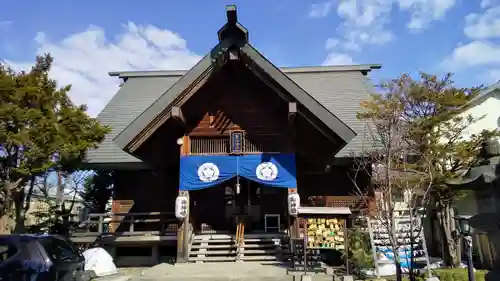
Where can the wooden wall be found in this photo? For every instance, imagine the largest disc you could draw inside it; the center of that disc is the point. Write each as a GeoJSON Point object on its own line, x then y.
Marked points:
{"type": "Point", "coordinates": [233, 99]}
{"type": "Point", "coordinates": [244, 102]}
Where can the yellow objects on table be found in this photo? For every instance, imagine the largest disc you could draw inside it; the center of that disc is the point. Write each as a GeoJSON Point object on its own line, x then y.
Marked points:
{"type": "Point", "coordinates": [325, 233]}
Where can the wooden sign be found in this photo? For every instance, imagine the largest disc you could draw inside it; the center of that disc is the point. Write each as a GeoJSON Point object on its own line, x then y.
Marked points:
{"type": "Point", "coordinates": [236, 142]}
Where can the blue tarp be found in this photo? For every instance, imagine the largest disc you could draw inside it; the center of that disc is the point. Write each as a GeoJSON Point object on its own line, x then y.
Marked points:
{"type": "Point", "coordinates": [404, 256]}
{"type": "Point", "coordinates": [199, 172]}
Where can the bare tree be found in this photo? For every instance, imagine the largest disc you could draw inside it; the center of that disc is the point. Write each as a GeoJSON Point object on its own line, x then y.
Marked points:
{"type": "Point", "coordinates": [402, 178]}
{"type": "Point", "coordinates": [70, 185]}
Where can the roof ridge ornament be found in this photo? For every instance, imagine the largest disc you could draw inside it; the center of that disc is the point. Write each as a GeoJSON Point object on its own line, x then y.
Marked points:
{"type": "Point", "coordinates": [233, 30]}
{"type": "Point", "coordinates": [231, 14]}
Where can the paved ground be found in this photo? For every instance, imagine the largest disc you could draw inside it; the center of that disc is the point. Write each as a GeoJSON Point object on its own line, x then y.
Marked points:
{"type": "Point", "coordinates": [219, 272]}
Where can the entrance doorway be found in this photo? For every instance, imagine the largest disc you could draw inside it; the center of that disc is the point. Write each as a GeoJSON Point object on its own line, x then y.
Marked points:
{"type": "Point", "coordinates": [242, 200]}
{"type": "Point", "coordinates": [217, 209]}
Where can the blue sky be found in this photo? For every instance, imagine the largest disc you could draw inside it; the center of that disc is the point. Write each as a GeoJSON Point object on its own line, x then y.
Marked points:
{"type": "Point", "coordinates": [90, 38]}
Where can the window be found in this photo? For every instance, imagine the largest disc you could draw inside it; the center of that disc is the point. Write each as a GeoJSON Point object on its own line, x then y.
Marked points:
{"type": "Point", "coordinates": [59, 249]}
{"type": "Point", "coordinates": [7, 250]}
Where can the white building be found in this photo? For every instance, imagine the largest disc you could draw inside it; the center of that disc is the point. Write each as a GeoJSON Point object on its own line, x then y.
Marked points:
{"type": "Point", "coordinates": [486, 106]}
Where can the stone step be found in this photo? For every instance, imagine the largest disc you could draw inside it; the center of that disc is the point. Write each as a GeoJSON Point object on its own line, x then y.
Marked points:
{"type": "Point", "coordinates": [266, 251]}
{"type": "Point", "coordinates": [213, 252]}
{"type": "Point", "coordinates": [233, 252]}
{"type": "Point", "coordinates": [221, 246]}
{"type": "Point", "coordinates": [258, 258]}
{"type": "Point", "coordinates": [269, 246]}
{"type": "Point", "coordinates": [212, 259]}
{"type": "Point", "coordinates": [233, 236]}
{"type": "Point", "coordinates": [226, 246]}
{"type": "Point", "coordinates": [214, 241]}
{"type": "Point", "coordinates": [261, 240]}
{"type": "Point", "coordinates": [247, 240]}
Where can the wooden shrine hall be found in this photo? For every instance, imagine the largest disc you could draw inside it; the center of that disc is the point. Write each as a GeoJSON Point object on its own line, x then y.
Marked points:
{"type": "Point", "coordinates": [218, 151]}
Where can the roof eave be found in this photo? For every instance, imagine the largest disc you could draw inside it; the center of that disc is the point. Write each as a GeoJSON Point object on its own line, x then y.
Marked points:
{"type": "Point", "coordinates": [329, 119]}
{"type": "Point", "coordinates": [484, 94]}
{"type": "Point", "coordinates": [127, 135]}
{"type": "Point", "coordinates": [287, 70]}
{"type": "Point", "coordinates": [125, 139]}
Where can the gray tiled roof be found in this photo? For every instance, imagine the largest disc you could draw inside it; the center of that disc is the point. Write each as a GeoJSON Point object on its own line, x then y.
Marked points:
{"type": "Point", "coordinates": [130, 101]}
{"type": "Point", "coordinates": [340, 89]}
{"type": "Point", "coordinates": [341, 93]}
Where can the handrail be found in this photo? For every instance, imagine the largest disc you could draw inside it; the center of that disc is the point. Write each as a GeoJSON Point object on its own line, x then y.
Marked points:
{"type": "Point", "coordinates": [240, 238]}
{"type": "Point", "coordinates": [100, 219]}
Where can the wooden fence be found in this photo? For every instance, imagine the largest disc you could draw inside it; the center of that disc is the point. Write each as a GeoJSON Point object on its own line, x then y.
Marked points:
{"type": "Point", "coordinates": [127, 224]}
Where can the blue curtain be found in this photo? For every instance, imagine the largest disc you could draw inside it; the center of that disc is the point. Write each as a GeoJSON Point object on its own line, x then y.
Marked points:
{"type": "Point", "coordinates": [270, 169]}
{"type": "Point", "coordinates": [198, 172]}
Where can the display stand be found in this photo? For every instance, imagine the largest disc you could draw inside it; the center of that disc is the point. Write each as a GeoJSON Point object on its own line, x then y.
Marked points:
{"type": "Point", "coordinates": [305, 260]}
{"type": "Point", "coordinates": [383, 256]}
{"type": "Point", "coordinates": [320, 229]}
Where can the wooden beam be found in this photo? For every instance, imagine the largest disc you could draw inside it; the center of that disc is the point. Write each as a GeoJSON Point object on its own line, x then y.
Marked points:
{"type": "Point", "coordinates": [176, 113]}
{"type": "Point", "coordinates": [292, 112]}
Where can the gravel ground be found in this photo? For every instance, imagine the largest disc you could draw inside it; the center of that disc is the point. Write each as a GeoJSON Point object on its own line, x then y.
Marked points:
{"type": "Point", "coordinates": [132, 271]}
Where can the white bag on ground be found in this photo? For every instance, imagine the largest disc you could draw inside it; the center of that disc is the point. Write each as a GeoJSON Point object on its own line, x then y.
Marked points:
{"type": "Point", "coordinates": [100, 261]}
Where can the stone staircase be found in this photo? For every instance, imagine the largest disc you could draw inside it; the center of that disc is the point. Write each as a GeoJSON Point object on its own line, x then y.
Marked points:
{"type": "Point", "coordinates": [223, 248]}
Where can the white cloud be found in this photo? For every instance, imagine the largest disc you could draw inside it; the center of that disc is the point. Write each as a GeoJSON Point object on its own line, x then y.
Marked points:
{"type": "Point", "coordinates": [423, 12]}
{"type": "Point", "coordinates": [320, 10]}
{"type": "Point", "coordinates": [338, 59]}
{"type": "Point", "coordinates": [5, 24]}
{"type": "Point", "coordinates": [365, 22]}
{"type": "Point", "coordinates": [482, 54]}
{"type": "Point", "coordinates": [476, 53]}
{"type": "Point", "coordinates": [489, 3]}
{"type": "Point", "coordinates": [481, 26]}
{"type": "Point", "coordinates": [331, 43]}
{"type": "Point", "coordinates": [493, 75]}
{"type": "Point", "coordinates": [84, 59]}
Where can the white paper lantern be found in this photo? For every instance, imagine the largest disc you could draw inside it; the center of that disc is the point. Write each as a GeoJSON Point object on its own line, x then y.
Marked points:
{"type": "Point", "coordinates": [293, 204]}
{"type": "Point", "coordinates": [181, 207]}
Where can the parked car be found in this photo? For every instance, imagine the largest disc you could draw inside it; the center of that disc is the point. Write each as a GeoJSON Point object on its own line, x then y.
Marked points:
{"type": "Point", "coordinates": [40, 258]}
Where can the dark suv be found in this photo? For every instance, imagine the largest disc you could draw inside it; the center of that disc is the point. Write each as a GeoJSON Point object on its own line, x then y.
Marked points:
{"type": "Point", "coordinates": [39, 258]}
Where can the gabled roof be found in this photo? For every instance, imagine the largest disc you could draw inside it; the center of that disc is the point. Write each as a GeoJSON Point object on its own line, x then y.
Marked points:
{"type": "Point", "coordinates": [233, 37]}
{"type": "Point", "coordinates": [332, 93]}
{"type": "Point", "coordinates": [340, 89]}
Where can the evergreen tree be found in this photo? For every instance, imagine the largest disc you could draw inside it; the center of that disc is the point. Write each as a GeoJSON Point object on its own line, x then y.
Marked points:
{"type": "Point", "coordinates": [97, 190]}
{"type": "Point", "coordinates": [40, 129]}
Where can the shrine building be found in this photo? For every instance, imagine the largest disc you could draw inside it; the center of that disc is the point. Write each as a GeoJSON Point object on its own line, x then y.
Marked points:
{"type": "Point", "coordinates": [234, 136]}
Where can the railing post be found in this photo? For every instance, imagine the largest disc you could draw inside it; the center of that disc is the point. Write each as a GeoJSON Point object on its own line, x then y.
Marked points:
{"type": "Point", "coordinates": [131, 226]}
{"type": "Point", "coordinates": [162, 225]}
{"type": "Point", "coordinates": [100, 226]}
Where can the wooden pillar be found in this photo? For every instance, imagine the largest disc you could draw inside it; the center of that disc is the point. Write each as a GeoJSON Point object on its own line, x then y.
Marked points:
{"type": "Point", "coordinates": [183, 233]}
{"type": "Point", "coordinates": [293, 222]}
